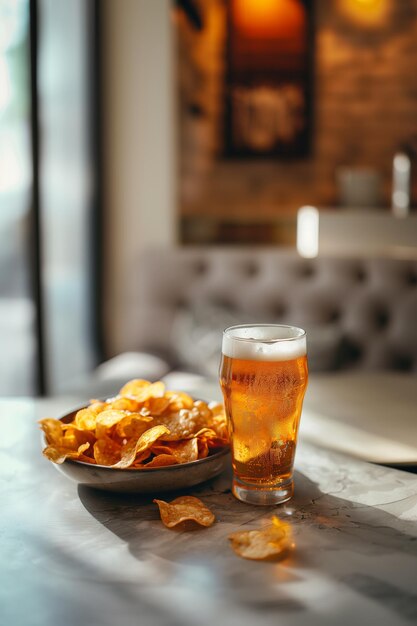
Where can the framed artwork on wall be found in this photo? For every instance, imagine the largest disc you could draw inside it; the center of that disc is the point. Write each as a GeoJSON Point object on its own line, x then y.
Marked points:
{"type": "Point", "coordinates": [269, 67]}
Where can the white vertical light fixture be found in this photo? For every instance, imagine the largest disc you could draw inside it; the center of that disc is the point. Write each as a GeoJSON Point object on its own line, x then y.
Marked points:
{"type": "Point", "coordinates": [401, 185]}
{"type": "Point", "coordinates": [308, 232]}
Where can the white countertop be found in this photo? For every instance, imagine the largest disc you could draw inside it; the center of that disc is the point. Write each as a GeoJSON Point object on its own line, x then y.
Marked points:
{"type": "Point", "coordinates": [70, 555]}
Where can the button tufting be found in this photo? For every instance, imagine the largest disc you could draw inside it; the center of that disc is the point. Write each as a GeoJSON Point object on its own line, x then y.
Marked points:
{"type": "Point", "coordinates": [412, 278]}
{"type": "Point", "coordinates": [360, 275]}
{"type": "Point", "coordinates": [334, 316]}
{"type": "Point", "coordinates": [382, 318]}
{"type": "Point", "coordinates": [307, 271]}
{"type": "Point", "coordinates": [180, 303]}
{"type": "Point", "coordinates": [224, 303]}
{"type": "Point", "coordinates": [251, 269]}
{"type": "Point", "coordinates": [278, 309]}
{"type": "Point", "coordinates": [201, 268]}
{"type": "Point", "coordinates": [403, 362]}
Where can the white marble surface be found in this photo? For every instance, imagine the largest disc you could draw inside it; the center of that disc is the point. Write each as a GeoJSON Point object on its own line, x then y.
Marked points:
{"type": "Point", "coordinates": [74, 556]}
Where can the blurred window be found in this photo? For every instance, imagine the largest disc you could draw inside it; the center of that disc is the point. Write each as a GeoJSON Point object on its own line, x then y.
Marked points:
{"type": "Point", "coordinates": [67, 188]}
{"type": "Point", "coordinates": [17, 311]}
{"type": "Point", "coordinates": [58, 109]}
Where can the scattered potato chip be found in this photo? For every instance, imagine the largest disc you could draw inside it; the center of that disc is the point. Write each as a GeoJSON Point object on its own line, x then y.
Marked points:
{"type": "Point", "coordinates": [266, 544]}
{"type": "Point", "coordinates": [183, 509]}
{"type": "Point", "coordinates": [143, 426]}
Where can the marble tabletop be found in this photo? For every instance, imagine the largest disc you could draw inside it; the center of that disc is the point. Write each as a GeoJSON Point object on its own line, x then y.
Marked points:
{"type": "Point", "coordinates": [70, 555]}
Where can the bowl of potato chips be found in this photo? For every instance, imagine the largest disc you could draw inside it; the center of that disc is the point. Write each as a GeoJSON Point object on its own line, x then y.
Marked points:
{"type": "Point", "coordinates": [144, 440]}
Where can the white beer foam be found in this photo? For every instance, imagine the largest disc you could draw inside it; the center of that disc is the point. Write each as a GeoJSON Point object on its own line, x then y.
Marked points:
{"type": "Point", "coordinates": [264, 343]}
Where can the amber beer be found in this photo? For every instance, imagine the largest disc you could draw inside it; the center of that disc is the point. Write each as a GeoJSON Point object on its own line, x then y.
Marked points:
{"type": "Point", "coordinates": [263, 376]}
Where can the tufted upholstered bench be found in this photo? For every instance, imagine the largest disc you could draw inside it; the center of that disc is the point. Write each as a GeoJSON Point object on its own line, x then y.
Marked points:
{"type": "Point", "coordinates": [363, 404]}
{"type": "Point", "coordinates": [370, 303]}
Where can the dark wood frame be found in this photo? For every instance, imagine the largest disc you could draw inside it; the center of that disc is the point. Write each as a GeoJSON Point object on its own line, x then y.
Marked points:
{"type": "Point", "coordinates": [36, 243]}
{"type": "Point", "coordinates": [95, 92]}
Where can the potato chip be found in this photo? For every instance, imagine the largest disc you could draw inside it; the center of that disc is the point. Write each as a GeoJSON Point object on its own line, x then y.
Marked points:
{"type": "Point", "coordinates": [156, 390]}
{"type": "Point", "coordinates": [219, 420]}
{"type": "Point", "coordinates": [132, 448]}
{"type": "Point", "coordinates": [96, 406]}
{"type": "Point", "coordinates": [179, 400]}
{"type": "Point", "coordinates": [162, 460]}
{"type": "Point", "coordinates": [203, 448]}
{"type": "Point", "coordinates": [267, 544]}
{"type": "Point", "coordinates": [106, 451]}
{"type": "Point", "coordinates": [157, 406]}
{"type": "Point", "coordinates": [162, 448]}
{"type": "Point", "coordinates": [212, 441]}
{"type": "Point", "coordinates": [107, 419]}
{"type": "Point", "coordinates": [183, 423]}
{"type": "Point", "coordinates": [190, 422]}
{"type": "Point", "coordinates": [141, 390]}
{"type": "Point", "coordinates": [203, 409]}
{"type": "Point", "coordinates": [142, 458]}
{"type": "Point", "coordinates": [86, 459]}
{"type": "Point", "coordinates": [133, 426]}
{"type": "Point", "coordinates": [85, 419]}
{"type": "Point", "coordinates": [144, 425]}
{"type": "Point", "coordinates": [186, 451]}
{"type": "Point", "coordinates": [59, 454]}
{"type": "Point", "coordinates": [205, 433]}
{"type": "Point", "coordinates": [182, 509]}
{"type": "Point", "coordinates": [123, 403]}
{"type": "Point", "coordinates": [52, 428]}
{"type": "Point", "coordinates": [134, 387]}
{"type": "Point", "coordinates": [73, 438]}
{"type": "Point", "coordinates": [111, 417]}
{"type": "Point", "coordinates": [182, 451]}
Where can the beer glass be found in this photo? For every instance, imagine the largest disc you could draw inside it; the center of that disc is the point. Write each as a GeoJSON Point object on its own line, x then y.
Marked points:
{"type": "Point", "coordinates": [263, 376]}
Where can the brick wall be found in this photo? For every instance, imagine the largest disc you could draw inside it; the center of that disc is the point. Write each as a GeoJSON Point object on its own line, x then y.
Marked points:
{"type": "Point", "coordinates": [365, 109]}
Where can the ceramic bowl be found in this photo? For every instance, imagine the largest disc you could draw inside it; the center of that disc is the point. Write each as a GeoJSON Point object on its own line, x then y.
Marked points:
{"type": "Point", "coordinates": [153, 480]}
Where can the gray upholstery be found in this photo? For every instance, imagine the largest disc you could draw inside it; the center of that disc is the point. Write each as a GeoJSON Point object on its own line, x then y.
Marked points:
{"type": "Point", "coordinates": [373, 302]}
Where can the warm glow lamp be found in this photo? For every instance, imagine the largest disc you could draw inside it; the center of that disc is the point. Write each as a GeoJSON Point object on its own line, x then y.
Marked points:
{"type": "Point", "coordinates": [268, 18]}
{"type": "Point", "coordinates": [370, 13]}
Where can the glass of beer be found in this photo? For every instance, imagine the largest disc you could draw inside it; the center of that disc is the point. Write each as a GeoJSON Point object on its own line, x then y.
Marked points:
{"type": "Point", "coordinates": [263, 376]}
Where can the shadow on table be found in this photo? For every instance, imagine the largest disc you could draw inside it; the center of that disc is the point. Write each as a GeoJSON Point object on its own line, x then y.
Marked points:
{"type": "Point", "coordinates": [321, 524]}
